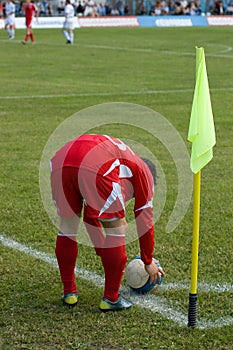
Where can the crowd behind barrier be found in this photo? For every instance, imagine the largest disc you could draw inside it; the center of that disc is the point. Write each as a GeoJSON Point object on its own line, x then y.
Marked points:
{"type": "Point", "coordinates": [93, 8]}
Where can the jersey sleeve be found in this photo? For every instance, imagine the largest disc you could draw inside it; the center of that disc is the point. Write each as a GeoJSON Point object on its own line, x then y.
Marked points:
{"type": "Point", "coordinates": [143, 210]}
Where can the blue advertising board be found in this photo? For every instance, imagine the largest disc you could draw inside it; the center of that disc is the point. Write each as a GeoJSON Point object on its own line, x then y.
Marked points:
{"type": "Point", "coordinates": [172, 21]}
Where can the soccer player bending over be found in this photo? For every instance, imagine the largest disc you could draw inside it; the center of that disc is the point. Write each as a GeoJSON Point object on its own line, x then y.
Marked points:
{"type": "Point", "coordinates": [98, 174]}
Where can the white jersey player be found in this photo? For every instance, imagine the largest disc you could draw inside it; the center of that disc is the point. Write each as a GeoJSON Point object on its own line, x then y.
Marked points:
{"type": "Point", "coordinates": [10, 19]}
{"type": "Point", "coordinates": [68, 25]}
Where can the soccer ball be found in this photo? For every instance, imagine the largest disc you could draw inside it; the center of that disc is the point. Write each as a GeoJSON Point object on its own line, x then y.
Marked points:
{"type": "Point", "coordinates": [137, 278]}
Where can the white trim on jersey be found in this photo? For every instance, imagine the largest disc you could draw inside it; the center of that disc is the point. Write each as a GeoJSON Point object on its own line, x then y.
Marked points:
{"type": "Point", "coordinates": [113, 166]}
{"type": "Point", "coordinates": [149, 204]}
{"type": "Point", "coordinates": [116, 193]}
{"type": "Point", "coordinates": [67, 234]}
{"type": "Point", "coordinates": [125, 171]}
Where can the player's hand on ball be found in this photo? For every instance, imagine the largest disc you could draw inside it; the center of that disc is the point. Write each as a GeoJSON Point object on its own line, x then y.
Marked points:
{"type": "Point", "coordinates": [154, 271]}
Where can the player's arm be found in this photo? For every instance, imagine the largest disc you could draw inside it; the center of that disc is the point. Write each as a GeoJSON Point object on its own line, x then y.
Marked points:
{"type": "Point", "coordinates": [37, 12]}
{"type": "Point", "coordinates": [144, 191]}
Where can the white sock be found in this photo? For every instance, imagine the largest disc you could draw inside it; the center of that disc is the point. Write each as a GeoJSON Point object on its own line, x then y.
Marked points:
{"type": "Point", "coordinates": [8, 31]}
{"type": "Point", "coordinates": [66, 35]}
{"type": "Point", "coordinates": [12, 33]}
{"type": "Point", "coordinates": [72, 37]}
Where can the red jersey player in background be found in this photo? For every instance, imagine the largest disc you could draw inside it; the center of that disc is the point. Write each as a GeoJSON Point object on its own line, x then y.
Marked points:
{"type": "Point", "coordinates": [30, 10]}
{"type": "Point", "coordinates": [97, 175]}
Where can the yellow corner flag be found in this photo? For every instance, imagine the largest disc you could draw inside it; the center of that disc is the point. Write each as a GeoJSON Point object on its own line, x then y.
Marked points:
{"type": "Point", "coordinates": [201, 128]}
{"type": "Point", "coordinates": [202, 135]}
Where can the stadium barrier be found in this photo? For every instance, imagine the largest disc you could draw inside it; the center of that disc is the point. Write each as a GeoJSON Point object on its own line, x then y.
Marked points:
{"type": "Point", "coordinates": [128, 21]}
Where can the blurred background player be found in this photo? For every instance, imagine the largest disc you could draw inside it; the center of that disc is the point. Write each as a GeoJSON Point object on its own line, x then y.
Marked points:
{"type": "Point", "coordinates": [68, 25]}
{"type": "Point", "coordinates": [10, 19]}
{"type": "Point", "coordinates": [30, 10]}
{"type": "Point", "coordinates": [98, 174]}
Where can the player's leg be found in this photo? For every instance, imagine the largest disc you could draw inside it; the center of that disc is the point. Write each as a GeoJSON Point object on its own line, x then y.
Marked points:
{"type": "Point", "coordinates": [71, 36]}
{"type": "Point", "coordinates": [65, 32]}
{"type": "Point", "coordinates": [114, 258]}
{"type": "Point", "coordinates": [7, 29]}
{"type": "Point", "coordinates": [104, 202]}
{"type": "Point", "coordinates": [32, 36]}
{"type": "Point", "coordinates": [95, 232]}
{"type": "Point", "coordinates": [12, 31]}
{"type": "Point", "coordinates": [28, 34]}
{"type": "Point", "coordinates": [12, 36]}
{"type": "Point", "coordinates": [66, 253]}
{"type": "Point", "coordinates": [68, 201]}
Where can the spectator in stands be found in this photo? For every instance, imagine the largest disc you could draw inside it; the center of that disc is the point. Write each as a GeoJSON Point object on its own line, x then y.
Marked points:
{"type": "Point", "coordinates": [172, 7]}
{"type": "Point", "coordinates": [1, 9]}
{"type": "Point", "coordinates": [40, 8]}
{"type": "Point", "coordinates": [185, 7]}
{"type": "Point", "coordinates": [60, 8]}
{"type": "Point", "coordinates": [95, 10]}
{"type": "Point", "coordinates": [164, 8]}
{"type": "Point", "coordinates": [229, 8]}
{"type": "Point", "coordinates": [141, 9]}
{"type": "Point", "coordinates": [218, 8]}
{"type": "Point", "coordinates": [45, 7]}
{"type": "Point", "coordinates": [157, 9]}
{"type": "Point", "coordinates": [126, 10]}
{"type": "Point", "coordinates": [21, 11]}
{"type": "Point", "coordinates": [17, 8]}
{"type": "Point", "coordinates": [120, 7]}
{"type": "Point", "coordinates": [49, 9]}
{"type": "Point", "coordinates": [89, 8]}
{"type": "Point", "coordinates": [194, 10]}
{"type": "Point", "coordinates": [108, 8]}
{"type": "Point", "coordinates": [80, 9]}
{"type": "Point", "coordinates": [152, 10]}
{"type": "Point", "coordinates": [178, 8]}
{"type": "Point", "coordinates": [114, 11]}
{"type": "Point", "coordinates": [101, 9]}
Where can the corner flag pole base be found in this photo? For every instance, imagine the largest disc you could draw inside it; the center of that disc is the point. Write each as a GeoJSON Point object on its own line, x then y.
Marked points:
{"type": "Point", "coordinates": [192, 312]}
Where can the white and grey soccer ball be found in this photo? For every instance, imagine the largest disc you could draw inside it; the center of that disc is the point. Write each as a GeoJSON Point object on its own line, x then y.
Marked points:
{"type": "Point", "coordinates": [137, 278]}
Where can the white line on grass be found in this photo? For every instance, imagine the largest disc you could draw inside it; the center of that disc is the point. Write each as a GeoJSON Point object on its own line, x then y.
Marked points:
{"type": "Point", "coordinates": [164, 52]}
{"type": "Point", "coordinates": [216, 54]}
{"type": "Point", "coordinates": [97, 94]}
{"type": "Point", "coordinates": [150, 302]}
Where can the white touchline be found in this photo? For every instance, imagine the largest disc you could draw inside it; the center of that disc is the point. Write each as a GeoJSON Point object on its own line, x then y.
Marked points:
{"type": "Point", "coordinates": [151, 302]}
{"type": "Point", "coordinates": [122, 93]}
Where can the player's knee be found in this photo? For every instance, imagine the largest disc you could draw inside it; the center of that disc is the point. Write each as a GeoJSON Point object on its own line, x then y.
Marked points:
{"type": "Point", "coordinates": [116, 227]}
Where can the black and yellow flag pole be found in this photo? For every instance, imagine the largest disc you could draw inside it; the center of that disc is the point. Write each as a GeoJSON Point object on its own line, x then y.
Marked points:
{"type": "Point", "coordinates": [202, 135]}
{"type": "Point", "coordinates": [192, 311]}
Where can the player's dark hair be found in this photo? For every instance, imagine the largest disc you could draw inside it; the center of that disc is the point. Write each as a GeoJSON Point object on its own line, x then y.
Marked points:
{"type": "Point", "coordinates": [152, 168]}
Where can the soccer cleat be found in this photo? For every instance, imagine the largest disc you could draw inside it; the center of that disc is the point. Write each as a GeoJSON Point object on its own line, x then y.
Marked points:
{"type": "Point", "coordinates": [120, 304]}
{"type": "Point", "coordinates": [68, 42]}
{"type": "Point", "coordinates": [23, 42]}
{"type": "Point", "coordinates": [70, 299]}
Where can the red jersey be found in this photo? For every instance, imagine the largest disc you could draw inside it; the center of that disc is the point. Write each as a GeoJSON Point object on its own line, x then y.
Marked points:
{"type": "Point", "coordinates": [105, 156]}
{"type": "Point", "coordinates": [30, 9]}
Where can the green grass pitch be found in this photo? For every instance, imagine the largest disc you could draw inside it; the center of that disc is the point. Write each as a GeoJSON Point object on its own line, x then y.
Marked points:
{"type": "Point", "coordinates": [44, 84]}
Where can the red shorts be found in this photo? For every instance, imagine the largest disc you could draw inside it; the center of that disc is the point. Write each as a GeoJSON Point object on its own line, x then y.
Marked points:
{"type": "Point", "coordinates": [99, 196]}
{"type": "Point", "coordinates": [29, 22]}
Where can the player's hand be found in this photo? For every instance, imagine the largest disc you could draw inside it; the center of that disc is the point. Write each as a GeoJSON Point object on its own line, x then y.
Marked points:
{"type": "Point", "coordinates": [154, 271]}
